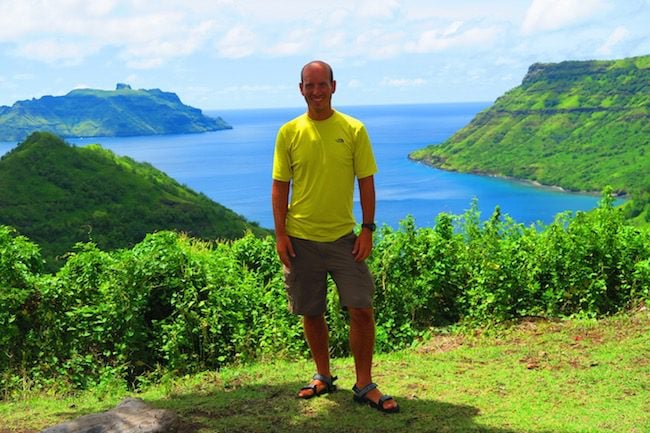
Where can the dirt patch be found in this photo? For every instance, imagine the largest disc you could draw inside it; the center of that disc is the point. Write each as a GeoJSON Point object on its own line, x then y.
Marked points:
{"type": "Point", "coordinates": [441, 344]}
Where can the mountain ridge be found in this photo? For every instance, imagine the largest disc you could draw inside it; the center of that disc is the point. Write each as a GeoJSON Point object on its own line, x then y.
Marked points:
{"type": "Point", "coordinates": [57, 195]}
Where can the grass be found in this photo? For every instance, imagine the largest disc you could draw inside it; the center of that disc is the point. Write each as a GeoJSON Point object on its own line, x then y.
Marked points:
{"type": "Point", "coordinates": [534, 376]}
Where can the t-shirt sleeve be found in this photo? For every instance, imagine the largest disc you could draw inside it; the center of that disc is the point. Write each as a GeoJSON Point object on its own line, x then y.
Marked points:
{"type": "Point", "coordinates": [364, 158]}
{"type": "Point", "coordinates": [281, 161]}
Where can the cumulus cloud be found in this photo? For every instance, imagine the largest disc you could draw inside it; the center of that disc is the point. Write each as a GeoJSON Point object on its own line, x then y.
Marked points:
{"type": "Point", "coordinates": [549, 15]}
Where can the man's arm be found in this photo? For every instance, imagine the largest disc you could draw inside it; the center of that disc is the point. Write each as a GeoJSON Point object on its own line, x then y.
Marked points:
{"type": "Point", "coordinates": [363, 246]}
{"type": "Point", "coordinates": [280, 201]}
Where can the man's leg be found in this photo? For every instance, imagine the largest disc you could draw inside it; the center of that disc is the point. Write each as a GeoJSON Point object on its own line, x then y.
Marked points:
{"type": "Point", "coordinates": [317, 336]}
{"type": "Point", "coordinates": [362, 343]}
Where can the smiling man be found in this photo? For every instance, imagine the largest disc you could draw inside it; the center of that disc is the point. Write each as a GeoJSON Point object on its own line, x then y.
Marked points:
{"type": "Point", "coordinates": [318, 156]}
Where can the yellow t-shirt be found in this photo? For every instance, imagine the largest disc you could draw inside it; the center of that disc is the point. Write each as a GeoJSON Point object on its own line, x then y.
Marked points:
{"type": "Point", "coordinates": [321, 160]}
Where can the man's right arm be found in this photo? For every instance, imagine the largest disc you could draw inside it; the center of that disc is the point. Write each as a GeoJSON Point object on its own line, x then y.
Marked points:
{"type": "Point", "coordinates": [280, 201]}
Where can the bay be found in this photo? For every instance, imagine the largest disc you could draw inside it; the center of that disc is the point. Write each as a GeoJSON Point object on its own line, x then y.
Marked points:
{"type": "Point", "coordinates": [233, 167]}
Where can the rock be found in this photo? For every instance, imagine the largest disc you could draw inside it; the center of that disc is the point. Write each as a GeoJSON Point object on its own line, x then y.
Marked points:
{"type": "Point", "coordinates": [132, 415]}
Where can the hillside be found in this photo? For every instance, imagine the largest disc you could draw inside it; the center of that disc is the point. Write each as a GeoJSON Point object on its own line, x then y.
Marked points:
{"type": "Point", "coordinates": [101, 113]}
{"type": "Point", "coordinates": [57, 195]}
{"type": "Point", "coordinates": [580, 125]}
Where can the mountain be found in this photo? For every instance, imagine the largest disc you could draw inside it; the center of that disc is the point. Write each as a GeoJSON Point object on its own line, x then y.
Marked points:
{"type": "Point", "coordinates": [580, 125]}
{"type": "Point", "coordinates": [57, 195]}
{"type": "Point", "coordinates": [102, 113]}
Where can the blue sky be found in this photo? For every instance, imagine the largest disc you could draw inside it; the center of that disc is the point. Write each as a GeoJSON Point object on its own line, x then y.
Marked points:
{"type": "Point", "coordinates": [222, 54]}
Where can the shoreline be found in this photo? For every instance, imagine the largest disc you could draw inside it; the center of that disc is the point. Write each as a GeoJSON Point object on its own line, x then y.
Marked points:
{"type": "Point", "coordinates": [534, 183]}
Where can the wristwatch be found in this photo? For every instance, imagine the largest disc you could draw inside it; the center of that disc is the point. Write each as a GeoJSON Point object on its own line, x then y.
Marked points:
{"type": "Point", "coordinates": [370, 226]}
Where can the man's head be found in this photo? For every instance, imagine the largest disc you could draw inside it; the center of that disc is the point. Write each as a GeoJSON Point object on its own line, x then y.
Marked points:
{"type": "Point", "coordinates": [317, 86]}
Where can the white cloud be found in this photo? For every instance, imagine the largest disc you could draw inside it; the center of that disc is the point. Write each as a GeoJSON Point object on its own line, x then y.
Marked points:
{"type": "Point", "coordinates": [219, 43]}
{"type": "Point", "coordinates": [619, 35]}
{"type": "Point", "coordinates": [51, 51]}
{"type": "Point", "coordinates": [376, 44]}
{"type": "Point", "coordinates": [146, 54]}
{"type": "Point", "coordinates": [378, 8]}
{"type": "Point", "coordinates": [355, 84]}
{"type": "Point", "coordinates": [452, 37]}
{"type": "Point", "coordinates": [238, 42]}
{"type": "Point", "coordinates": [403, 82]}
{"type": "Point", "coordinates": [296, 42]}
{"type": "Point", "coordinates": [549, 15]}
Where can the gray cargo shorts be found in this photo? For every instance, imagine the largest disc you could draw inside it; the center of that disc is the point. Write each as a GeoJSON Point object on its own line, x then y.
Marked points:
{"type": "Point", "coordinates": [306, 281]}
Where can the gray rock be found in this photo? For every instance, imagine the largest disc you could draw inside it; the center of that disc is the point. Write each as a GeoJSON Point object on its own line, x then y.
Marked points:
{"type": "Point", "coordinates": [132, 415]}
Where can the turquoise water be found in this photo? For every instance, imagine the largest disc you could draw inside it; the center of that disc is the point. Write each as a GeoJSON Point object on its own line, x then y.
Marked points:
{"type": "Point", "coordinates": [233, 167]}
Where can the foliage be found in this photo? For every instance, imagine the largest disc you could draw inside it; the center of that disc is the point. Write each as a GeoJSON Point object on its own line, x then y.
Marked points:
{"type": "Point", "coordinates": [578, 125]}
{"type": "Point", "coordinates": [58, 195]}
{"type": "Point", "coordinates": [102, 113]}
{"type": "Point", "coordinates": [174, 303]}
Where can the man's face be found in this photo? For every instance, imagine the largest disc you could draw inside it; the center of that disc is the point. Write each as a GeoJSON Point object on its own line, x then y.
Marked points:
{"type": "Point", "coordinates": [317, 89]}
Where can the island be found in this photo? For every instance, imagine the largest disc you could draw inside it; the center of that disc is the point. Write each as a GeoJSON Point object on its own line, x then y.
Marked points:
{"type": "Point", "coordinates": [105, 113]}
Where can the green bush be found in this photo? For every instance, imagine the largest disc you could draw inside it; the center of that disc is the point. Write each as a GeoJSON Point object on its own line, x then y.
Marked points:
{"type": "Point", "coordinates": [20, 263]}
{"type": "Point", "coordinates": [175, 304]}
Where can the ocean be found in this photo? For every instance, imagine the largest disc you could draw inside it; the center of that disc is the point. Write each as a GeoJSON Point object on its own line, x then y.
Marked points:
{"type": "Point", "coordinates": [233, 167]}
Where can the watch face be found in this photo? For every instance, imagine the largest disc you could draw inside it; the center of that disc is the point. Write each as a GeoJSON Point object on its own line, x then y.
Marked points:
{"type": "Point", "coordinates": [371, 226]}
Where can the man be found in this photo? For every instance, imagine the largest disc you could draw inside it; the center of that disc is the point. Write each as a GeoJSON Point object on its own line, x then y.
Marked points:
{"type": "Point", "coordinates": [318, 155]}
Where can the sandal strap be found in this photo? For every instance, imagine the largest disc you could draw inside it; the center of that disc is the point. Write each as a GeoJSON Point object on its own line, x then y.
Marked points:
{"type": "Point", "coordinates": [329, 381]}
{"type": "Point", "coordinates": [383, 399]}
{"type": "Point", "coordinates": [313, 388]}
{"type": "Point", "coordinates": [361, 393]}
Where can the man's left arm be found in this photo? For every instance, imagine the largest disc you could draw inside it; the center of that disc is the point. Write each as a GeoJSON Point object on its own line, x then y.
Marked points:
{"type": "Point", "coordinates": [363, 246]}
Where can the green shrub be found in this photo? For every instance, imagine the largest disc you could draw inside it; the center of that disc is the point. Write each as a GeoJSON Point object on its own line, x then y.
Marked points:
{"type": "Point", "coordinates": [175, 304]}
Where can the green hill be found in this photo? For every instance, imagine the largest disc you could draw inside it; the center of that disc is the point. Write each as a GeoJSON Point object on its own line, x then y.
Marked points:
{"type": "Point", "coordinates": [580, 125]}
{"type": "Point", "coordinates": [57, 195]}
{"type": "Point", "coordinates": [102, 113]}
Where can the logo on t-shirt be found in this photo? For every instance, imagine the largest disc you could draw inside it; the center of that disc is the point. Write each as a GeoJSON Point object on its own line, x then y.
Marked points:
{"type": "Point", "coordinates": [340, 140]}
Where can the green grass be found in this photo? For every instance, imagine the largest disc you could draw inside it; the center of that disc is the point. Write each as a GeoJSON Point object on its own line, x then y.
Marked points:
{"type": "Point", "coordinates": [534, 376]}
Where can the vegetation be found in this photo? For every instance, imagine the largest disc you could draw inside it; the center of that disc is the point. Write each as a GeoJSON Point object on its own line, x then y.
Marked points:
{"type": "Point", "coordinates": [57, 195]}
{"type": "Point", "coordinates": [103, 113]}
{"type": "Point", "coordinates": [176, 305]}
{"type": "Point", "coordinates": [577, 125]}
{"type": "Point", "coordinates": [533, 376]}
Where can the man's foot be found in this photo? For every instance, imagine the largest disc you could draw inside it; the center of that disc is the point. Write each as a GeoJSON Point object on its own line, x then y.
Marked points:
{"type": "Point", "coordinates": [374, 398]}
{"type": "Point", "coordinates": [319, 385]}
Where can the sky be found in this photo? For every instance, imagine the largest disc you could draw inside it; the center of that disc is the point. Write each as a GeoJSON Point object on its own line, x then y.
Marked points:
{"type": "Point", "coordinates": [232, 54]}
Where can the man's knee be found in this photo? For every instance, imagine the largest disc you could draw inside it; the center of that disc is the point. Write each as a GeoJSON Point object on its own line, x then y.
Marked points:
{"type": "Point", "coordinates": [362, 315]}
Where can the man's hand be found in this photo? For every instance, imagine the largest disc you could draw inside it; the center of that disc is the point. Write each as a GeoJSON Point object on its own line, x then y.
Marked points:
{"type": "Point", "coordinates": [285, 249]}
{"type": "Point", "coordinates": [362, 246]}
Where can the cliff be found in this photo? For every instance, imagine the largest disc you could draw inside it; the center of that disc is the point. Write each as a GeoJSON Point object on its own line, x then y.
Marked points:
{"type": "Point", "coordinates": [581, 125]}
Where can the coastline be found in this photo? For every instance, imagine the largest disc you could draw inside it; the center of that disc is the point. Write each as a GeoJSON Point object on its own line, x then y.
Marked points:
{"type": "Point", "coordinates": [529, 182]}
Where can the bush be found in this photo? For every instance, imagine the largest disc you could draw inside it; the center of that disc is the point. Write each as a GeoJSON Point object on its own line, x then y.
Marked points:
{"type": "Point", "coordinates": [176, 304]}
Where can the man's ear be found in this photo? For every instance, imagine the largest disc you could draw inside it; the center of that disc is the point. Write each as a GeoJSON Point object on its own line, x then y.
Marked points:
{"type": "Point", "coordinates": [333, 86]}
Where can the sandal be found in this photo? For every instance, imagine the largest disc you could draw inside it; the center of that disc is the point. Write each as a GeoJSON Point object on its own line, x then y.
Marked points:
{"type": "Point", "coordinates": [360, 396]}
{"type": "Point", "coordinates": [329, 386]}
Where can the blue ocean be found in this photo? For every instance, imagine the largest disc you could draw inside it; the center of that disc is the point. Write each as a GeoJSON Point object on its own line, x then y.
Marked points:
{"type": "Point", "coordinates": [233, 167]}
